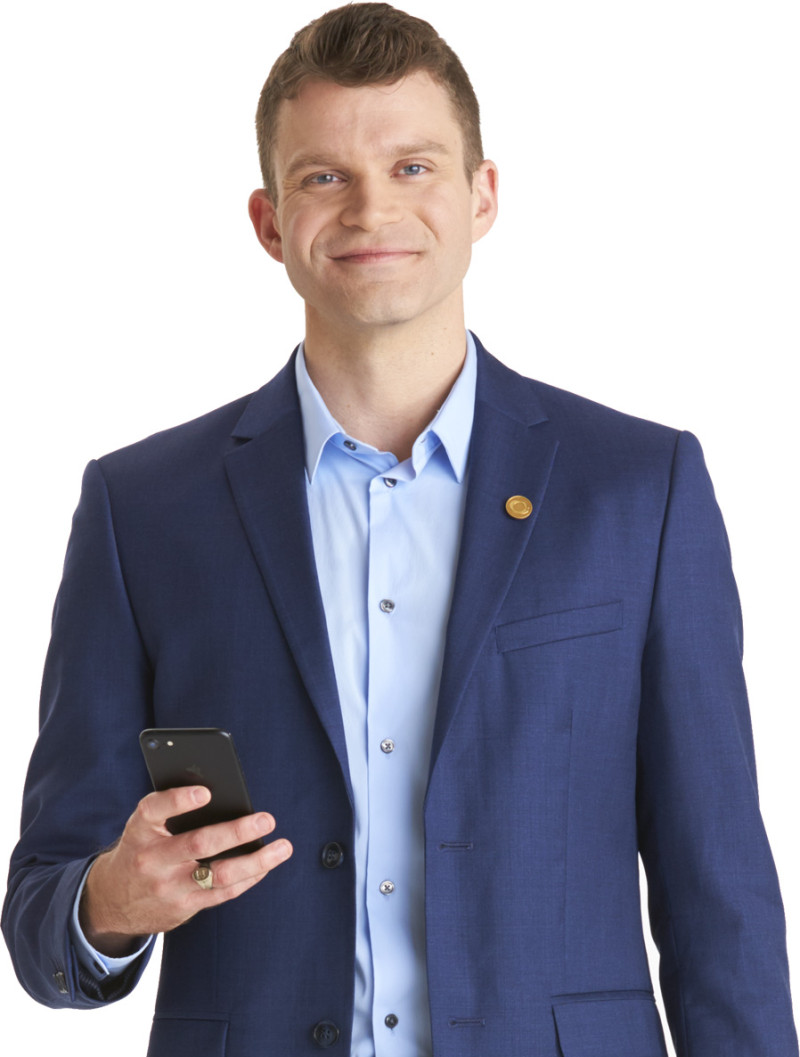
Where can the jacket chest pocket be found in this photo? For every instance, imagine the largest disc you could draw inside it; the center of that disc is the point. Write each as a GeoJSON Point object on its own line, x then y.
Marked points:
{"type": "Point", "coordinates": [556, 627]}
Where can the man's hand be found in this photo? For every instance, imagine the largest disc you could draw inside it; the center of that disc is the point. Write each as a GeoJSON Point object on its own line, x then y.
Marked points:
{"type": "Point", "coordinates": [144, 883]}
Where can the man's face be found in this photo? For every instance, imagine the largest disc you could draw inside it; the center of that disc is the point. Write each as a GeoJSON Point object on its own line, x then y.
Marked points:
{"type": "Point", "coordinates": [375, 217]}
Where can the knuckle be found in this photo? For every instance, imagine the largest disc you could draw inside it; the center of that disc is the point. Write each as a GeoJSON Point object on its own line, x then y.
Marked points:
{"type": "Point", "coordinates": [242, 830]}
{"type": "Point", "coordinates": [263, 862]}
{"type": "Point", "coordinates": [195, 844]}
{"type": "Point", "coordinates": [182, 798]}
{"type": "Point", "coordinates": [140, 861]}
{"type": "Point", "coordinates": [175, 802]}
{"type": "Point", "coordinates": [230, 891]}
{"type": "Point", "coordinates": [226, 874]}
{"type": "Point", "coordinates": [221, 876]}
{"type": "Point", "coordinates": [142, 812]}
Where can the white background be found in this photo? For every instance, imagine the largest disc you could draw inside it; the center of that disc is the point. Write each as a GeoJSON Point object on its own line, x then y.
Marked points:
{"type": "Point", "coordinates": [646, 255]}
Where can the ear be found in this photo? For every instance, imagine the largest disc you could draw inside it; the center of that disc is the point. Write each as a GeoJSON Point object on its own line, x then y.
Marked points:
{"type": "Point", "coordinates": [484, 198]}
{"type": "Point", "coordinates": [264, 218]}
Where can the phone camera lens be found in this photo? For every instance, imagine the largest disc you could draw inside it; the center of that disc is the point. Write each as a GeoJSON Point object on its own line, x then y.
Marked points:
{"type": "Point", "coordinates": [152, 743]}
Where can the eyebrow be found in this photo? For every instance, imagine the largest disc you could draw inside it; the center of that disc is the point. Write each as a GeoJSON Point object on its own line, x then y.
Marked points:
{"type": "Point", "coordinates": [402, 150]}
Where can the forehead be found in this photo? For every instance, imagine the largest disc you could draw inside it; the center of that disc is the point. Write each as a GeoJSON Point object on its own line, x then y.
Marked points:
{"type": "Point", "coordinates": [325, 116]}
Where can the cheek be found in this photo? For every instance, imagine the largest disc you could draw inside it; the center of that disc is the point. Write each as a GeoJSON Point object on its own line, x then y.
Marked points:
{"type": "Point", "coordinates": [294, 254]}
{"type": "Point", "coordinates": [453, 222]}
{"type": "Point", "coordinates": [302, 255]}
{"type": "Point", "coordinates": [298, 231]}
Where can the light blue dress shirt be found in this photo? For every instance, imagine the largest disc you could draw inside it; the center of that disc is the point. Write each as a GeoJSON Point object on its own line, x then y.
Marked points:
{"type": "Point", "coordinates": [386, 537]}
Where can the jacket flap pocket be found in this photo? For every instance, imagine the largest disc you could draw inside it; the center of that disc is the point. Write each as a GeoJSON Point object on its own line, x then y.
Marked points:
{"type": "Point", "coordinates": [552, 627]}
{"type": "Point", "coordinates": [618, 1027]}
{"type": "Point", "coordinates": [179, 1035]}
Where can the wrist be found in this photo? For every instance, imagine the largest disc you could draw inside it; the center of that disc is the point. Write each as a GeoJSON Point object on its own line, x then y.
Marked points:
{"type": "Point", "coordinates": [99, 925]}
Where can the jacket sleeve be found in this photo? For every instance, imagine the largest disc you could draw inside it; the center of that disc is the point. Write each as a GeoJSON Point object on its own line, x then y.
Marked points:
{"type": "Point", "coordinates": [86, 774]}
{"type": "Point", "coordinates": [714, 902]}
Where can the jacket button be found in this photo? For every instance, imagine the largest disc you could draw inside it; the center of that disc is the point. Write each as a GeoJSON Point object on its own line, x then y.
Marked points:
{"type": "Point", "coordinates": [390, 1020]}
{"type": "Point", "coordinates": [325, 1034]}
{"type": "Point", "coordinates": [332, 855]}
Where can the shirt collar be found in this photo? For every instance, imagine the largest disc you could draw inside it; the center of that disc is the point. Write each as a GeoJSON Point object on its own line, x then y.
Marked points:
{"type": "Point", "coordinates": [451, 427]}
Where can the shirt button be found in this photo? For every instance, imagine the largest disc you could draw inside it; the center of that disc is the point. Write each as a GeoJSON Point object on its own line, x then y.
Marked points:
{"type": "Point", "coordinates": [387, 745]}
{"type": "Point", "coordinates": [387, 887]}
{"type": "Point", "coordinates": [390, 1020]}
{"type": "Point", "coordinates": [387, 605]}
{"type": "Point", "coordinates": [390, 482]}
{"type": "Point", "coordinates": [349, 444]}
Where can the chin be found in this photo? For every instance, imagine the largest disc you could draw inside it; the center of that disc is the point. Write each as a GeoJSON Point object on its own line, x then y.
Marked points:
{"type": "Point", "coordinates": [375, 314]}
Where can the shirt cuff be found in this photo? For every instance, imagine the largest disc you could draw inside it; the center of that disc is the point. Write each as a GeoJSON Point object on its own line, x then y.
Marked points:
{"type": "Point", "coordinates": [100, 965]}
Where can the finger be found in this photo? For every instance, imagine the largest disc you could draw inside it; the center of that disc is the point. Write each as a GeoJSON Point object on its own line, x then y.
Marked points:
{"type": "Point", "coordinates": [230, 874]}
{"type": "Point", "coordinates": [154, 809]}
{"type": "Point", "coordinates": [227, 892]}
{"type": "Point", "coordinates": [208, 841]}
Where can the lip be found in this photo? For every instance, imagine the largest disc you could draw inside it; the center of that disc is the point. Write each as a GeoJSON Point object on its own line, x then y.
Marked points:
{"type": "Point", "coordinates": [374, 256]}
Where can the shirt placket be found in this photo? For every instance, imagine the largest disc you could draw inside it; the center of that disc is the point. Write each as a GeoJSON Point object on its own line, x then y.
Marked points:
{"type": "Point", "coordinates": [393, 873]}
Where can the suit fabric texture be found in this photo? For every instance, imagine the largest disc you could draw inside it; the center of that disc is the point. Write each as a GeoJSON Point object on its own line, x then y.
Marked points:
{"type": "Point", "coordinates": [592, 707]}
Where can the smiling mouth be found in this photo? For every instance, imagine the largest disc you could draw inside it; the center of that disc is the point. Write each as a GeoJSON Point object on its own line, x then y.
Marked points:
{"type": "Point", "coordinates": [374, 256]}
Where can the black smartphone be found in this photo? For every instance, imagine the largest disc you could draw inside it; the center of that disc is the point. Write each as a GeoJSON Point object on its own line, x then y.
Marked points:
{"type": "Point", "coordinates": [200, 756]}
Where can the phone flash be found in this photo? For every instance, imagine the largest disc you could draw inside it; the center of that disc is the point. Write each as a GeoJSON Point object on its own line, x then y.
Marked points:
{"type": "Point", "coordinates": [170, 744]}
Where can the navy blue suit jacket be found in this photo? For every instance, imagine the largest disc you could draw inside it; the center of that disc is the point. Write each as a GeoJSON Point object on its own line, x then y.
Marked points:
{"type": "Point", "coordinates": [592, 707]}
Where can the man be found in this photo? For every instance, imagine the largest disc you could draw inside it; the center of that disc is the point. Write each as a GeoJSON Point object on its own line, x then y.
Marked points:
{"type": "Point", "coordinates": [477, 639]}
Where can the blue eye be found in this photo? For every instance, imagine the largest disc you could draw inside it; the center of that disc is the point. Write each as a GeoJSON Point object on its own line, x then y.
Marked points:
{"type": "Point", "coordinates": [323, 178]}
{"type": "Point", "coordinates": [416, 167]}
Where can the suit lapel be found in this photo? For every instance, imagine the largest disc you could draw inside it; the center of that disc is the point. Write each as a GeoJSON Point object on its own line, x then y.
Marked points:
{"type": "Point", "coordinates": [267, 477]}
{"type": "Point", "coordinates": [511, 453]}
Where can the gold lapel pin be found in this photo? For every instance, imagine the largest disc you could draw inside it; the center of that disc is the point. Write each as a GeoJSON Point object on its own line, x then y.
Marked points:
{"type": "Point", "coordinates": [519, 507]}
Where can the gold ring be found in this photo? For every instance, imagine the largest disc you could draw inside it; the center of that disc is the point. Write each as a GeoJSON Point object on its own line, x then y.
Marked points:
{"type": "Point", "coordinates": [203, 876]}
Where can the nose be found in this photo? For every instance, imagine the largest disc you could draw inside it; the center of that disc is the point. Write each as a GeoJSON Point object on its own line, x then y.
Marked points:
{"type": "Point", "coordinates": [370, 203]}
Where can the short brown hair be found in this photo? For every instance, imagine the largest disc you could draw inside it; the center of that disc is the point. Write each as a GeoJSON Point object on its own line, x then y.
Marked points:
{"type": "Point", "coordinates": [364, 44]}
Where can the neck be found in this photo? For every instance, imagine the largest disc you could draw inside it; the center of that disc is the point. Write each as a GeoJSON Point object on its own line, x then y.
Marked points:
{"type": "Point", "coordinates": [385, 387]}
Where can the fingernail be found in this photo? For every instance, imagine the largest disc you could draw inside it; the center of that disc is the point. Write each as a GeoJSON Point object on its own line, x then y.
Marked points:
{"type": "Point", "coordinates": [201, 794]}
